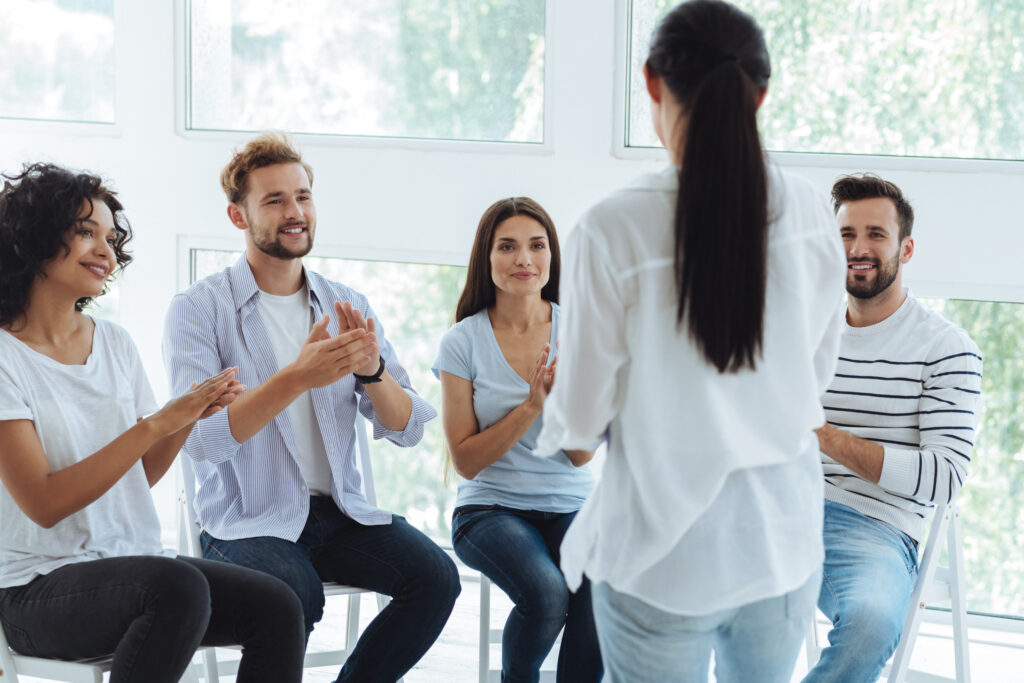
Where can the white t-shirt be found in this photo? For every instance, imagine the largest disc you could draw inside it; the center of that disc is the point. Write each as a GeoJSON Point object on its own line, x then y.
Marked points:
{"type": "Point", "coordinates": [709, 498]}
{"type": "Point", "coordinates": [76, 411]}
{"type": "Point", "coordinates": [288, 320]}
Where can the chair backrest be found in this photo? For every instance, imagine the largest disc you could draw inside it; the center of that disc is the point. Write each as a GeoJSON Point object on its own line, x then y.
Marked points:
{"type": "Point", "coordinates": [188, 523]}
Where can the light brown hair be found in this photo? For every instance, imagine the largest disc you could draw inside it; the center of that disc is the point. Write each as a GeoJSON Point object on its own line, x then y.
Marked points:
{"type": "Point", "coordinates": [266, 149]}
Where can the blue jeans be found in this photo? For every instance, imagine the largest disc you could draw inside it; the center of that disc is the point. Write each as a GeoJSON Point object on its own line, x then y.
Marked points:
{"type": "Point", "coordinates": [759, 641]}
{"type": "Point", "coordinates": [394, 559]}
{"type": "Point", "coordinates": [870, 570]}
{"type": "Point", "coordinates": [518, 551]}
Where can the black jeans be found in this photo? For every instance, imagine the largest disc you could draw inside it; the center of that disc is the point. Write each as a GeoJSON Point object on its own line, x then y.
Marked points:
{"type": "Point", "coordinates": [152, 613]}
{"type": "Point", "coordinates": [391, 559]}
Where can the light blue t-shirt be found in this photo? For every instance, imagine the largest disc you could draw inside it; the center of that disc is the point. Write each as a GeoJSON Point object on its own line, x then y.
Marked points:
{"type": "Point", "coordinates": [519, 479]}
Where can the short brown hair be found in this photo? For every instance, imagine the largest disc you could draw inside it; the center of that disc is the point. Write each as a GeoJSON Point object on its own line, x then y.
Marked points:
{"type": "Point", "coordinates": [478, 293]}
{"type": "Point", "coordinates": [266, 149]}
{"type": "Point", "coordinates": [853, 188]}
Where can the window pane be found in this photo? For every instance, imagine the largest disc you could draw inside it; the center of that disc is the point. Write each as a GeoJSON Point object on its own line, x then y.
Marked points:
{"type": "Point", "coordinates": [415, 303]}
{"type": "Point", "coordinates": [443, 69]}
{"type": "Point", "coordinates": [943, 78]}
{"type": "Point", "coordinates": [58, 60]}
{"type": "Point", "coordinates": [993, 517]}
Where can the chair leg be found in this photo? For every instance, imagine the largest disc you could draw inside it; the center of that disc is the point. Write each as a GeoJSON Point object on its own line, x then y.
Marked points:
{"type": "Point", "coordinates": [352, 630]}
{"type": "Point", "coordinates": [958, 599]}
{"type": "Point", "coordinates": [485, 628]}
{"type": "Point", "coordinates": [811, 644]}
{"type": "Point", "coordinates": [210, 665]}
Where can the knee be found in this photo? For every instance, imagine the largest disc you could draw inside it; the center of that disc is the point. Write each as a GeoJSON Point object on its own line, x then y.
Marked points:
{"type": "Point", "coordinates": [873, 626]}
{"type": "Point", "coordinates": [175, 589]}
{"type": "Point", "coordinates": [543, 593]}
{"type": "Point", "coordinates": [281, 609]}
{"type": "Point", "coordinates": [438, 578]}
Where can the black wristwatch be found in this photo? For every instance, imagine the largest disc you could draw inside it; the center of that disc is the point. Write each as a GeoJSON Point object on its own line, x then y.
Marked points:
{"type": "Point", "coordinates": [375, 377]}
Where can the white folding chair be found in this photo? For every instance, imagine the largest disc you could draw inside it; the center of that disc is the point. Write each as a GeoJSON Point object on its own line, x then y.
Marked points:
{"type": "Point", "coordinates": [492, 636]}
{"type": "Point", "coordinates": [188, 544]}
{"type": "Point", "coordinates": [82, 671]}
{"type": "Point", "coordinates": [934, 584]}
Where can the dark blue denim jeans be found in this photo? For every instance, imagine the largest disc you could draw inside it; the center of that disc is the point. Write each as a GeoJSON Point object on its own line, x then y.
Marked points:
{"type": "Point", "coordinates": [393, 559]}
{"type": "Point", "coordinates": [519, 551]}
{"type": "Point", "coordinates": [152, 613]}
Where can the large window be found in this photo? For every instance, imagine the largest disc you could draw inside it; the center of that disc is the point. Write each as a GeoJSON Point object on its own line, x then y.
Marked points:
{"type": "Point", "coordinates": [943, 78]}
{"type": "Point", "coordinates": [415, 303]}
{"type": "Point", "coordinates": [439, 69]}
{"type": "Point", "coordinates": [57, 60]}
{"type": "Point", "coordinates": [991, 499]}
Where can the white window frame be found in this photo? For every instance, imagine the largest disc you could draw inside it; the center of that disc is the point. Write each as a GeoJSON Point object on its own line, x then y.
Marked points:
{"type": "Point", "coordinates": [620, 150]}
{"type": "Point", "coordinates": [183, 88]}
{"type": "Point", "coordinates": [38, 126]}
{"type": "Point", "coordinates": [188, 243]}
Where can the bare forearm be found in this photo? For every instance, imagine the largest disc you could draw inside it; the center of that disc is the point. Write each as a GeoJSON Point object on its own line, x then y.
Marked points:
{"type": "Point", "coordinates": [72, 488]}
{"type": "Point", "coordinates": [160, 456]}
{"type": "Point", "coordinates": [391, 404]}
{"type": "Point", "coordinates": [860, 456]}
{"type": "Point", "coordinates": [253, 410]}
{"type": "Point", "coordinates": [484, 448]}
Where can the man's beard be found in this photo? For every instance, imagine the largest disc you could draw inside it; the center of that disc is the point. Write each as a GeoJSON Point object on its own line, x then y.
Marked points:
{"type": "Point", "coordinates": [273, 247]}
{"type": "Point", "coordinates": [885, 275]}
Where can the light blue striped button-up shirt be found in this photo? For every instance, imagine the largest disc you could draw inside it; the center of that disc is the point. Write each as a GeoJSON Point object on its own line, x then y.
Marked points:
{"type": "Point", "coordinates": [255, 488]}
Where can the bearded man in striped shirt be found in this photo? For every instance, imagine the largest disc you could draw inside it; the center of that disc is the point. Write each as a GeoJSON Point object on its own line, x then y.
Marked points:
{"type": "Point", "coordinates": [901, 415]}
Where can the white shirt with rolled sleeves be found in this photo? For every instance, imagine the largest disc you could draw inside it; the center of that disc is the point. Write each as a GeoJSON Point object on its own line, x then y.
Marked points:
{"type": "Point", "coordinates": [256, 488]}
{"type": "Point", "coordinates": [711, 496]}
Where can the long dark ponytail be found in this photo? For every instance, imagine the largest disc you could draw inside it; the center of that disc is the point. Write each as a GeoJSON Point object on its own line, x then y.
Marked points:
{"type": "Point", "coordinates": [713, 59]}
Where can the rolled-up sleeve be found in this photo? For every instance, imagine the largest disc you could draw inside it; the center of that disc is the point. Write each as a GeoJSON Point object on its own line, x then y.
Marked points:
{"type": "Point", "coordinates": [421, 412]}
{"type": "Point", "coordinates": [191, 355]}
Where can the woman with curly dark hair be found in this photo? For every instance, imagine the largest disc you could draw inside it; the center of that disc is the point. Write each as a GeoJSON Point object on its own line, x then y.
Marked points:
{"type": "Point", "coordinates": [82, 570]}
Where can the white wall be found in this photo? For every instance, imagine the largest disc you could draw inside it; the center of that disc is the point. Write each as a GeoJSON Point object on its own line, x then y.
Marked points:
{"type": "Point", "coordinates": [396, 200]}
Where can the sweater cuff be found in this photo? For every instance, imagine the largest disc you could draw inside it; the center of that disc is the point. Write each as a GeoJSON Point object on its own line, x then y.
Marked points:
{"type": "Point", "coordinates": [900, 471]}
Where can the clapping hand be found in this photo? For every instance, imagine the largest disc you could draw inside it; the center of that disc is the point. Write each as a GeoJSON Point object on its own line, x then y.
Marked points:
{"type": "Point", "coordinates": [542, 378]}
{"type": "Point", "coordinates": [351, 319]}
{"type": "Point", "coordinates": [201, 400]}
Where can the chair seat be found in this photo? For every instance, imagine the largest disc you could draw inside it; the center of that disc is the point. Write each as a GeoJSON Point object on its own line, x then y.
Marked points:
{"type": "Point", "coordinates": [78, 670]}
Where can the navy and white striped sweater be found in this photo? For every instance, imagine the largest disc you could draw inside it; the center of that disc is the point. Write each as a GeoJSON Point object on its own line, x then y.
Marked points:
{"type": "Point", "coordinates": [912, 384]}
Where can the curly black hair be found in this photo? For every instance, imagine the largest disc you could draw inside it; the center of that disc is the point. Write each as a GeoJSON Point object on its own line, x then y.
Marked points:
{"type": "Point", "coordinates": [37, 209]}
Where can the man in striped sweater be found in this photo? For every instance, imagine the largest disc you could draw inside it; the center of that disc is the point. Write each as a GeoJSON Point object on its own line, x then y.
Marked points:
{"type": "Point", "coordinates": [901, 414]}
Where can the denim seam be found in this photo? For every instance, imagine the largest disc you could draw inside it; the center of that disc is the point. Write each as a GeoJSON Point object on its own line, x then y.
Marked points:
{"type": "Point", "coordinates": [832, 592]}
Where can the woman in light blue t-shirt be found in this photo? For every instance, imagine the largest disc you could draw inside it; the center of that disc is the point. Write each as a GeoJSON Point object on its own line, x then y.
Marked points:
{"type": "Point", "coordinates": [496, 367]}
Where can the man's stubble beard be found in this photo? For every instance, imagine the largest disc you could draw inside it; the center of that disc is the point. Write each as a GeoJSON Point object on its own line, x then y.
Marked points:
{"type": "Point", "coordinates": [886, 276]}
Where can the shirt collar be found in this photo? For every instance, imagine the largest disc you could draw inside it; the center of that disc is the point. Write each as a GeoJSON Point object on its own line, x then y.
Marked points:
{"type": "Point", "coordinates": [244, 288]}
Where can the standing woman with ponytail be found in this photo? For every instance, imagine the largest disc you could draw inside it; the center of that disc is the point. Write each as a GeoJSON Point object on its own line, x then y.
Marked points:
{"type": "Point", "coordinates": [700, 326]}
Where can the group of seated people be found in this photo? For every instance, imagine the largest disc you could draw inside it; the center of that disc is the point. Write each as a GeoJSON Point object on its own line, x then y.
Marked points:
{"type": "Point", "coordinates": [710, 528]}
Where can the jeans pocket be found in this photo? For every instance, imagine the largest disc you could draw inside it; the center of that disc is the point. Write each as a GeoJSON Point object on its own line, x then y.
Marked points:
{"type": "Point", "coordinates": [465, 516]}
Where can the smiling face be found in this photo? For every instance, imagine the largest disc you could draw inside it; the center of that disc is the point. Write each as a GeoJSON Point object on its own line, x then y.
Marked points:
{"type": "Point", "coordinates": [84, 269]}
{"type": "Point", "coordinates": [277, 212]}
{"type": "Point", "coordinates": [520, 256]}
{"type": "Point", "coordinates": [874, 252]}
